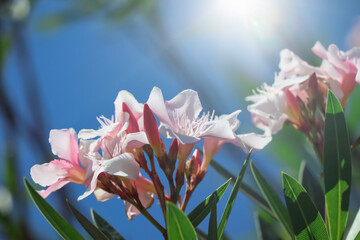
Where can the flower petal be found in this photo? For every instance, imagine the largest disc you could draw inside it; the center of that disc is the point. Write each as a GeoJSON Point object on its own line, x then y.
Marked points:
{"type": "Point", "coordinates": [186, 103]}
{"type": "Point", "coordinates": [48, 173]}
{"type": "Point", "coordinates": [252, 140]}
{"type": "Point", "coordinates": [102, 195]}
{"type": "Point", "coordinates": [157, 106]}
{"type": "Point", "coordinates": [55, 186]}
{"type": "Point", "coordinates": [123, 165]}
{"type": "Point", "coordinates": [126, 97]}
{"type": "Point", "coordinates": [64, 144]}
{"type": "Point", "coordinates": [167, 132]}
{"type": "Point", "coordinates": [135, 140]}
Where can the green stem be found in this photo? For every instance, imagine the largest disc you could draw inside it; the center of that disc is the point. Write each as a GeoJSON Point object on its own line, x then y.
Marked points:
{"type": "Point", "coordinates": [149, 217]}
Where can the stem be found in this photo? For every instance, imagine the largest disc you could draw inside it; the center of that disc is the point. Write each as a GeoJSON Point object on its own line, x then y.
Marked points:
{"type": "Point", "coordinates": [172, 189]}
{"type": "Point", "coordinates": [187, 197]}
{"type": "Point", "coordinates": [157, 183]}
{"type": "Point", "coordinates": [149, 217]}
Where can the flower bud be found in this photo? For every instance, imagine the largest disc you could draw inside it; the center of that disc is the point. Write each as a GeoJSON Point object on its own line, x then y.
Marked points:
{"type": "Point", "coordinates": [152, 132]}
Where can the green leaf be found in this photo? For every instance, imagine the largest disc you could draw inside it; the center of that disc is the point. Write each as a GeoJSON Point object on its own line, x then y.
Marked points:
{"type": "Point", "coordinates": [212, 229]}
{"type": "Point", "coordinates": [178, 224]}
{"type": "Point", "coordinates": [231, 200]}
{"type": "Point", "coordinates": [87, 225]}
{"type": "Point", "coordinates": [244, 188]}
{"type": "Point", "coordinates": [105, 227]}
{"type": "Point", "coordinates": [354, 232]}
{"type": "Point", "coordinates": [313, 187]}
{"type": "Point", "coordinates": [199, 213]}
{"type": "Point", "coordinates": [337, 167]}
{"type": "Point", "coordinates": [305, 218]}
{"type": "Point", "coordinates": [275, 203]}
{"type": "Point", "coordinates": [62, 227]}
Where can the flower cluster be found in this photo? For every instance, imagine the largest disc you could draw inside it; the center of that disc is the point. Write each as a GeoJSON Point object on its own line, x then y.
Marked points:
{"type": "Point", "coordinates": [108, 160]}
{"type": "Point", "coordinates": [298, 94]}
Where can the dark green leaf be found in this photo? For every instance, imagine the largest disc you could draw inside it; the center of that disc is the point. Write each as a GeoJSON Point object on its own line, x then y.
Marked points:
{"type": "Point", "coordinates": [178, 225]}
{"type": "Point", "coordinates": [244, 188]}
{"type": "Point", "coordinates": [305, 218]}
{"type": "Point", "coordinates": [63, 227]}
{"type": "Point", "coordinates": [87, 225]}
{"type": "Point", "coordinates": [337, 167]}
{"type": "Point", "coordinates": [199, 213]}
{"type": "Point", "coordinates": [105, 227]}
{"type": "Point", "coordinates": [313, 187]}
{"type": "Point", "coordinates": [212, 229]}
{"type": "Point", "coordinates": [231, 200]}
{"type": "Point", "coordinates": [275, 203]}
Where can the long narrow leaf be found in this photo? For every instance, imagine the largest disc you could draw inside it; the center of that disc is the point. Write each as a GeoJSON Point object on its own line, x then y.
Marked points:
{"type": "Point", "coordinates": [212, 229]}
{"type": "Point", "coordinates": [337, 167]}
{"type": "Point", "coordinates": [305, 218]}
{"type": "Point", "coordinates": [231, 200]}
{"type": "Point", "coordinates": [244, 188]}
{"type": "Point", "coordinates": [199, 213]}
{"type": "Point", "coordinates": [105, 227]}
{"type": "Point", "coordinates": [87, 225]}
{"type": "Point", "coordinates": [178, 224]}
{"type": "Point", "coordinates": [62, 227]}
{"type": "Point", "coordinates": [313, 187]}
{"type": "Point", "coordinates": [274, 201]}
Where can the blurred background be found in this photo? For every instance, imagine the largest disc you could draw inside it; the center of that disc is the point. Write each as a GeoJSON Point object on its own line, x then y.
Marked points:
{"type": "Point", "coordinates": [62, 64]}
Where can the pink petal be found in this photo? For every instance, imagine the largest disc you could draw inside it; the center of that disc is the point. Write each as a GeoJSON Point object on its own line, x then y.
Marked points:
{"type": "Point", "coordinates": [168, 132]}
{"type": "Point", "coordinates": [135, 140]}
{"type": "Point", "coordinates": [131, 102]}
{"type": "Point", "coordinates": [55, 186]}
{"type": "Point", "coordinates": [185, 103]}
{"type": "Point", "coordinates": [64, 144]}
{"type": "Point", "coordinates": [157, 106]}
{"type": "Point", "coordinates": [102, 195]}
{"type": "Point", "coordinates": [123, 165]}
{"type": "Point", "coordinates": [48, 173]}
{"type": "Point", "coordinates": [252, 140]}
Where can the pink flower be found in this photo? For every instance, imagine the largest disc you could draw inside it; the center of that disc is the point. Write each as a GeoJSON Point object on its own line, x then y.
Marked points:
{"type": "Point", "coordinates": [341, 67]}
{"type": "Point", "coordinates": [268, 108]}
{"type": "Point", "coordinates": [114, 142]}
{"type": "Point", "coordinates": [180, 118]}
{"type": "Point", "coordinates": [244, 141]}
{"type": "Point", "coordinates": [60, 172]}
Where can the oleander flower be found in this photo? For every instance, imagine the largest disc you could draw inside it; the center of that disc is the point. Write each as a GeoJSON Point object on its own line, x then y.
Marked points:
{"type": "Point", "coordinates": [63, 170]}
{"type": "Point", "coordinates": [115, 144]}
{"type": "Point", "coordinates": [180, 118]}
{"type": "Point", "coordinates": [341, 67]}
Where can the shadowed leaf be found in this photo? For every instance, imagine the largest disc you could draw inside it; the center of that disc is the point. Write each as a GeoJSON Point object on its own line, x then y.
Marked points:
{"type": "Point", "coordinates": [87, 225]}
{"type": "Point", "coordinates": [63, 227]}
{"type": "Point", "coordinates": [305, 218]}
{"type": "Point", "coordinates": [200, 212]}
{"type": "Point", "coordinates": [337, 167]}
{"type": "Point", "coordinates": [105, 227]}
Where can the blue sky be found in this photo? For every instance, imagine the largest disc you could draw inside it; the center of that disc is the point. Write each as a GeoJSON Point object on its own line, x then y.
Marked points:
{"type": "Point", "coordinates": [81, 67]}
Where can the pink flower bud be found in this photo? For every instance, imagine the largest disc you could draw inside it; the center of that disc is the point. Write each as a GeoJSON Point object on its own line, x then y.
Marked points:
{"type": "Point", "coordinates": [152, 131]}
